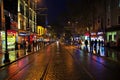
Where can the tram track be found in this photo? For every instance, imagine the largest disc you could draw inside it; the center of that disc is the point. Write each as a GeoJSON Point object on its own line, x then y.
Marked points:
{"type": "Point", "coordinates": [47, 67]}
{"type": "Point", "coordinates": [80, 64]}
{"type": "Point", "coordinates": [107, 66]}
{"type": "Point", "coordinates": [20, 69]}
{"type": "Point", "coordinates": [26, 66]}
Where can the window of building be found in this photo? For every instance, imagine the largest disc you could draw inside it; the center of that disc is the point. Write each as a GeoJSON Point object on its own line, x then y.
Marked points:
{"type": "Point", "coordinates": [109, 8]}
{"type": "Point", "coordinates": [22, 9]}
{"type": "Point", "coordinates": [119, 3]}
{"type": "Point", "coordinates": [108, 21]}
{"type": "Point", "coordinates": [39, 32]}
{"type": "Point", "coordinates": [110, 37]}
{"type": "Point", "coordinates": [118, 19]}
{"type": "Point", "coordinates": [115, 37]}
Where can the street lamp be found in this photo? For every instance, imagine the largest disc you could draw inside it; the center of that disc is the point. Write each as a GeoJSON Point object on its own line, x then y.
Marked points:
{"type": "Point", "coordinates": [7, 26]}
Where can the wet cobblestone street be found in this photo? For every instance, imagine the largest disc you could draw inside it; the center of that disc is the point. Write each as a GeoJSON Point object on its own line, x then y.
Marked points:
{"type": "Point", "coordinates": [64, 67]}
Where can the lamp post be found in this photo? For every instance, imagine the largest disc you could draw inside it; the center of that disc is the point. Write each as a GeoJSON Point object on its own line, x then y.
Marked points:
{"type": "Point", "coordinates": [7, 24]}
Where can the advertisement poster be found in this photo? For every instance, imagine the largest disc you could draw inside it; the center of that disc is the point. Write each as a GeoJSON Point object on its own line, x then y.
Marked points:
{"type": "Point", "coordinates": [10, 40]}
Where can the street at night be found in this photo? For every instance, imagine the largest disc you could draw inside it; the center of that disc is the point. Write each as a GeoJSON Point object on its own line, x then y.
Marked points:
{"type": "Point", "coordinates": [60, 62]}
{"type": "Point", "coordinates": [59, 39]}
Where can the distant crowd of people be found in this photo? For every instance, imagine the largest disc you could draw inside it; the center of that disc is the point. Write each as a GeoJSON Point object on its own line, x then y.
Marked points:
{"type": "Point", "coordinates": [93, 44]}
{"type": "Point", "coordinates": [24, 44]}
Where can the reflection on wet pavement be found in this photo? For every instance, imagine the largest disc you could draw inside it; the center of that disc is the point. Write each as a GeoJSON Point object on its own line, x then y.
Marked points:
{"type": "Point", "coordinates": [112, 54]}
{"type": "Point", "coordinates": [107, 52]}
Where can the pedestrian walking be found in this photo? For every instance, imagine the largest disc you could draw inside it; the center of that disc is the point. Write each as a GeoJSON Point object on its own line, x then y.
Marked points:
{"type": "Point", "coordinates": [16, 45]}
{"type": "Point", "coordinates": [95, 45]}
{"type": "Point", "coordinates": [86, 44]}
{"type": "Point", "coordinates": [16, 49]}
{"type": "Point", "coordinates": [24, 46]}
{"type": "Point", "coordinates": [91, 44]}
{"type": "Point", "coordinates": [99, 47]}
{"type": "Point", "coordinates": [102, 43]}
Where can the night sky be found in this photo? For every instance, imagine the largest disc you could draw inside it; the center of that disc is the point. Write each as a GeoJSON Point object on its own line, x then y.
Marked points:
{"type": "Point", "coordinates": [61, 11]}
{"type": "Point", "coordinates": [55, 9]}
{"type": "Point", "coordinates": [63, 8]}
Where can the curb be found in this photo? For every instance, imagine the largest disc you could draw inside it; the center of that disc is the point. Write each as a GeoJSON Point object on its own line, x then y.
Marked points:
{"type": "Point", "coordinates": [6, 64]}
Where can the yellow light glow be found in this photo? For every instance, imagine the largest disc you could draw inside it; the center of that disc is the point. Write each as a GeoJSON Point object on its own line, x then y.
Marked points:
{"type": "Point", "coordinates": [38, 1]}
{"type": "Point", "coordinates": [40, 30]}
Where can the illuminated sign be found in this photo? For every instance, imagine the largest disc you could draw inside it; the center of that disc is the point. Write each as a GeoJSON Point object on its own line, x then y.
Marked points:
{"type": "Point", "coordinates": [23, 34]}
{"type": "Point", "coordinates": [100, 33]}
{"type": "Point", "coordinates": [40, 30]}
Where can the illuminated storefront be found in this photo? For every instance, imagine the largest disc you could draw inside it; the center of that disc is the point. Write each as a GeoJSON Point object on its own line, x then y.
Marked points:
{"type": "Point", "coordinates": [22, 36]}
{"type": "Point", "coordinates": [11, 38]}
{"type": "Point", "coordinates": [87, 36]}
{"type": "Point", "coordinates": [93, 36]}
{"type": "Point", "coordinates": [100, 36]}
{"type": "Point", "coordinates": [40, 30]}
{"type": "Point", "coordinates": [111, 36]}
{"type": "Point", "coordinates": [25, 36]}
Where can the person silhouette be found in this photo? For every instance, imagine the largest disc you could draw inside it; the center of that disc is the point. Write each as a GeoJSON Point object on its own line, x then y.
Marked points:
{"type": "Point", "coordinates": [86, 45]}
{"type": "Point", "coordinates": [95, 45]}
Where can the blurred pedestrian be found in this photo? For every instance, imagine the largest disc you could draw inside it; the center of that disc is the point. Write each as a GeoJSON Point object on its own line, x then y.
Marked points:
{"type": "Point", "coordinates": [16, 49]}
{"type": "Point", "coordinates": [102, 43]}
{"type": "Point", "coordinates": [86, 44]}
{"type": "Point", "coordinates": [24, 44]}
{"type": "Point", "coordinates": [91, 44]}
{"type": "Point", "coordinates": [95, 45]}
{"type": "Point", "coordinates": [16, 45]}
{"type": "Point", "coordinates": [99, 47]}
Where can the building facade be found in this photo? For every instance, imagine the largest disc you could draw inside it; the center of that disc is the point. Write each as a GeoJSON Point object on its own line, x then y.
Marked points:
{"type": "Point", "coordinates": [106, 19]}
{"type": "Point", "coordinates": [22, 18]}
{"type": "Point", "coordinates": [113, 23]}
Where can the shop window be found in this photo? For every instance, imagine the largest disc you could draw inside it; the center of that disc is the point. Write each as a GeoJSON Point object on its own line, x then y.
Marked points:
{"type": "Point", "coordinates": [108, 23]}
{"type": "Point", "coordinates": [119, 3]}
{"type": "Point", "coordinates": [115, 37]}
{"type": "Point", "coordinates": [21, 9]}
{"type": "Point", "coordinates": [27, 11]}
{"type": "Point", "coordinates": [110, 37]}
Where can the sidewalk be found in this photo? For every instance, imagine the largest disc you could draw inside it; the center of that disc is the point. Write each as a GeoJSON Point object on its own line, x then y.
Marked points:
{"type": "Point", "coordinates": [13, 56]}
{"type": "Point", "coordinates": [18, 54]}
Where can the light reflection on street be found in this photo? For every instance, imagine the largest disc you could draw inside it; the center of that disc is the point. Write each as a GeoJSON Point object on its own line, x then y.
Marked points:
{"type": "Point", "coordinates": [109, 53]}
{"type": "Point", "coordinates": [102, 51]}
{"type": "Point", "coordinates": [105, 52]}
{"type": "Point", "coordinates": [114, 55]}
{"type": "Point", "coordinates": [69, 65]}
{"type": "Point", "coordinates": [14, 55]}
{"type": "Point", "coordinates": [98, 59]}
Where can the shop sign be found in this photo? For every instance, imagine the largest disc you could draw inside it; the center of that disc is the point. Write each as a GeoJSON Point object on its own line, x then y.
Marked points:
{"type": "Point", "coordinates": [93, 33]}
{"type": "Point", "coordinates": [22, 34]}
{"type": "Point", "coordinates": [87, 34]}
{"type": "Point", "coordinates": [100, 33]}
